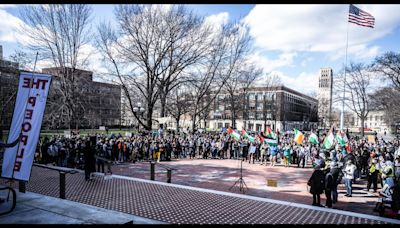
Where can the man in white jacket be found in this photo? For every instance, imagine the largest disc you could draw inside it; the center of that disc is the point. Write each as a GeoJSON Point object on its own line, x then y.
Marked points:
{"type": "Point", "coordinates": [348, 177]}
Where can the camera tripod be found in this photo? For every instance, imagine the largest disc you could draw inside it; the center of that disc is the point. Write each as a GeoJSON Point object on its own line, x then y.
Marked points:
{"type": "Point", "coordinates": [240, 181]}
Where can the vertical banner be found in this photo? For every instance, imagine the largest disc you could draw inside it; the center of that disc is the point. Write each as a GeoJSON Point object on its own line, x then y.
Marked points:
{"type": "Point", "coordinates": [29, 107]}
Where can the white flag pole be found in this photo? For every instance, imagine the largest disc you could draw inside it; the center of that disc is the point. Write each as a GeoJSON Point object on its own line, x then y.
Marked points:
{"type": "Point", "coordinates": [344, 81]}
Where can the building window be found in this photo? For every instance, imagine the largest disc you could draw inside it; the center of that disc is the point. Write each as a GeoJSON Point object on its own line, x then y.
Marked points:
{"type": "Point", "coordinates": [376, 118]}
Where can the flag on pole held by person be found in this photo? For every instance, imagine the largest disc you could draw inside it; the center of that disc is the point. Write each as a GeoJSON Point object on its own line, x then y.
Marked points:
{"type": "Point", "coordinates": [233, 134]}
{"type": "Point", "coordinates": [341, 138]}
{"type": "Point", "coordinates": [313, 138]}
{"type": "Point", "coordinates": [244, 134]}
{"type": "Point", "coordinates": [270, 133]}
{"type": "Point", "coordinates": [329, 140]}
{"type": "Point", "coordinates": [360, 17]}
{"type": "Point", "coordinates": [298, 136]}
{"type": "Point", "coordinates": [26, 122]}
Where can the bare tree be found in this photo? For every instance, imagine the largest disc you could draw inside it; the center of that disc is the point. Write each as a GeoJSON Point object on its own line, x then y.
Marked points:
{"type": "Point", "coordinates": [227, 52]}
{"type": "Point", "coordinates": [24, 60]}
{"type": "Point", "coordinates": [357, 84]}
{"type": "Point", "coordinates": [186, 34]}
{"type": "Point", "coordinates": [178, 103]}
{"type": "Point", "coordinates": [58, 33]}
{"type": "Point", "coordinates": [241, 80]}
{"type": "Point", "coordinates": [387, 99]}
{"type": "Point", "coordinates": [159, 43]}
{"type": "Point", "coordinates": [389, 66]}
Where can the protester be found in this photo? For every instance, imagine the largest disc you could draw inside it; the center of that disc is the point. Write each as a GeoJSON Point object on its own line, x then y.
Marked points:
{"type": "Point", "coordinates": [349, 176]}
{"type": "Point", "coordinates": [317, 185]}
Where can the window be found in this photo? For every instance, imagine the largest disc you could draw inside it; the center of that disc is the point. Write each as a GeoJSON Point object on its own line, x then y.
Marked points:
{"type": "Point", "coordinates": [376, 118]}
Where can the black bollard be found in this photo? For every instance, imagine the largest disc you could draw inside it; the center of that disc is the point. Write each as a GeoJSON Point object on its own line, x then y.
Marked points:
{"type": "Point", "coordinates": [22, 186]}
{"type": "Point", "coordinates": [62, 185]}
{"type": "Point", "coordinates": [152, 168]}
{"type": "Point", "coordinates": [169, 175]}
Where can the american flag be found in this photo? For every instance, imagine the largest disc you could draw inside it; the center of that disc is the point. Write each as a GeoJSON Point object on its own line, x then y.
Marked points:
{"type": "Point", "coordinates": [360, 17]}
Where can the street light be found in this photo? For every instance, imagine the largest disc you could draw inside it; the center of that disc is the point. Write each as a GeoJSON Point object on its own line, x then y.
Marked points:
{"type": "Point", "coordinates": [138, 109]}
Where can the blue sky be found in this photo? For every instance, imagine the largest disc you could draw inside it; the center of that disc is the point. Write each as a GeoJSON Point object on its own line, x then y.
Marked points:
{"type": "Point", "coordinates": [292, 41]}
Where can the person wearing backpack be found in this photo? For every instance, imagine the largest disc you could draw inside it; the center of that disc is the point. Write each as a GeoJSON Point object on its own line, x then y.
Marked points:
{"type": "Point", "coordinates": [329, 186]}
{"type": "Point", "coordinates": [317, 185]}
{"type": "Point", "coordinates": [337, 175]}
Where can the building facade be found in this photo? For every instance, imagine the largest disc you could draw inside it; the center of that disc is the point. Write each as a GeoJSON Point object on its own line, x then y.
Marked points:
{"type": "Point", "coordinates": [279, 108]}
{"type": "Point", "coordinates": [324, 96]}
{"type": "Point", "coordinates": [375, 121]}
{"type": "Point", "coordinates": [98, 104]}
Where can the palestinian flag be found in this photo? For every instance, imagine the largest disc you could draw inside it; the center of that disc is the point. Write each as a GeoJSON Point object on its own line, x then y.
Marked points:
{"type": "Point", "coordinates": [271, 142]}
{"type": "Point", "coordinates": [313, 138]}
{"type": "Point", "coordinates": [341, 138]}
{"type": "Point", "coordinates": [269, 133]}
{"type": "Point", "coordinates": [233, 134]}
{"type": "Point", "coordinates": [298, 136]}
{"type": "Point", "coordinates": [261, 138]}
{"type": "Point", "coordinates": [244, 134]}
{"type": "Point", "coordinates": [329, 140]}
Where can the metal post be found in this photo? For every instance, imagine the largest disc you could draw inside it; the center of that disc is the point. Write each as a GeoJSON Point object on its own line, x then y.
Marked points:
{"type": "Point", "coordinates": [152, 166]}
{"type": "Point", "coordinates": [169, 174]}
{"type": "Point", "coordinates": [22, 186]}
{"type": "Point", "coordinates": [62, 185]}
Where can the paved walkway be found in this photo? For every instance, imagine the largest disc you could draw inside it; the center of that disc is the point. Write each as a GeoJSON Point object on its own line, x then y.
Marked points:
{"type": "Point", "coordinates": [179, 204]}
{"type": "Point", "coordinates": [33, 208]}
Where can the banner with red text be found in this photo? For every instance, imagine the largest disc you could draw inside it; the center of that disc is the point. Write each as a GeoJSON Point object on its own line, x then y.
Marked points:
{"type": "Point", "coordinates": [29, 107]}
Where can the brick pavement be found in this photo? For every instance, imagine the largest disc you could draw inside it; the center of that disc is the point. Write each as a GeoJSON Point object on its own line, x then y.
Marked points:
{"type": "Point", "coordinates": [221, 174]}
{"type": "Point", "coordinates": [181, 204]}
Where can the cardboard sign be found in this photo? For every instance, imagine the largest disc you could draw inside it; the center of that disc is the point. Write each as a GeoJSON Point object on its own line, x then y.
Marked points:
{"type": "Point", "coordinates": [272, 183]}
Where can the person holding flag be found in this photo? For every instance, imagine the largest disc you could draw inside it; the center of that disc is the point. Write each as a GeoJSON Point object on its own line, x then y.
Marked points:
{"type": "Point", "coordinates": [270, 134]}
{"type": "Point", "coordinates": [298, 136]}
{"type": "Point", "coordinates": [329, 140]}
{"type": "Point", "coordinates": [246, 135]}
{"type": "Point", "coordinates": [313, 139]}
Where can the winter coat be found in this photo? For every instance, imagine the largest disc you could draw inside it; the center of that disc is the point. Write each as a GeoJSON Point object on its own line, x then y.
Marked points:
{"type": "Point", "coordinates": [317, 182]}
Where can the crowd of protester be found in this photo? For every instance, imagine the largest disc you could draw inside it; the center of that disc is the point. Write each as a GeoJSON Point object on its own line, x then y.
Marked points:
{"type": "Point", "coordinates": [378, 161]}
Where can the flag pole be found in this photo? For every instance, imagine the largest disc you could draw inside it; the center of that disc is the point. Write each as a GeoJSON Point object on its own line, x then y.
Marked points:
{"type": "Point", "coordinates": [344, 81]}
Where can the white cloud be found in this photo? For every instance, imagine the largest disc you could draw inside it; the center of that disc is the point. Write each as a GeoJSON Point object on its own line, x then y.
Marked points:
{"type": "Point", "coordinates": [9, 25]}
{"type": "Point", "coordinates": [284, 59]}
{"type": "Point", "coordinates": [316, 28]}
{"type": "Point", "coordinates": [4, 6]}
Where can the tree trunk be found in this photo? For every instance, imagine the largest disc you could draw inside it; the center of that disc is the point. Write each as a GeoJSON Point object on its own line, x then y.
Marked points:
{"type": "Point", "coordinates": [233, 119]}
{"type": "Point", "coordinates": [362, 127]}
{"type": "Point", "coordinates": [149, 119]}
{"type": "Point", "coordinates": [177, 125]}
{"type": "Point", "coordinates": [163, 99]}
{"type": "Point", "coordinates": [193, 122]}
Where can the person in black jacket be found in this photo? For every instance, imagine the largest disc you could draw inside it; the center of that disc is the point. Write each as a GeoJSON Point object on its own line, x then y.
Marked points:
{"type": "Point", "coordinates": [90, 162]}
{"type": "Point", "coordinates": [329, 186]}
{"type": "Point", "coordinates": [317, 185]}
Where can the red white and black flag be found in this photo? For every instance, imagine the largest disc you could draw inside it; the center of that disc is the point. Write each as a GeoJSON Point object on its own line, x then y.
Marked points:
{"type": "Point", "coordinates": [360, 17]}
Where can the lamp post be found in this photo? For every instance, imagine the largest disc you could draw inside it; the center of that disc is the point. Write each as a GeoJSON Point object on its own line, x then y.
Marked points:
{"type": "Point", "coordinates": [138, 109]}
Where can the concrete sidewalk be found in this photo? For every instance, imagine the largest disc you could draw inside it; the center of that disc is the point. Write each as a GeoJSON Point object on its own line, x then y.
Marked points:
{"type": "Point", "coordinates": [33, 208]}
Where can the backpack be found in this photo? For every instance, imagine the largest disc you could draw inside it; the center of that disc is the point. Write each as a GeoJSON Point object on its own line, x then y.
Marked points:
{"type": "Point", "coordinates": [329, 181]}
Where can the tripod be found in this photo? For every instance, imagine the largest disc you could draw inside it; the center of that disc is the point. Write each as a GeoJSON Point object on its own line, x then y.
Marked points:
{"type": "Point", "coordinates": [240, 181]}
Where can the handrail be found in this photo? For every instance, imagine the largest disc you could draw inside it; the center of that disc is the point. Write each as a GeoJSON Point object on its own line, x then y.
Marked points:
{"type": "Point", "coordinates": [152, 171]}
{"type": "Point", "coordinates": [165, 166]}
{"type": "Point", "coordinates": [62, 171]}
{"type": "Point", "coordinates": [57, 168]}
